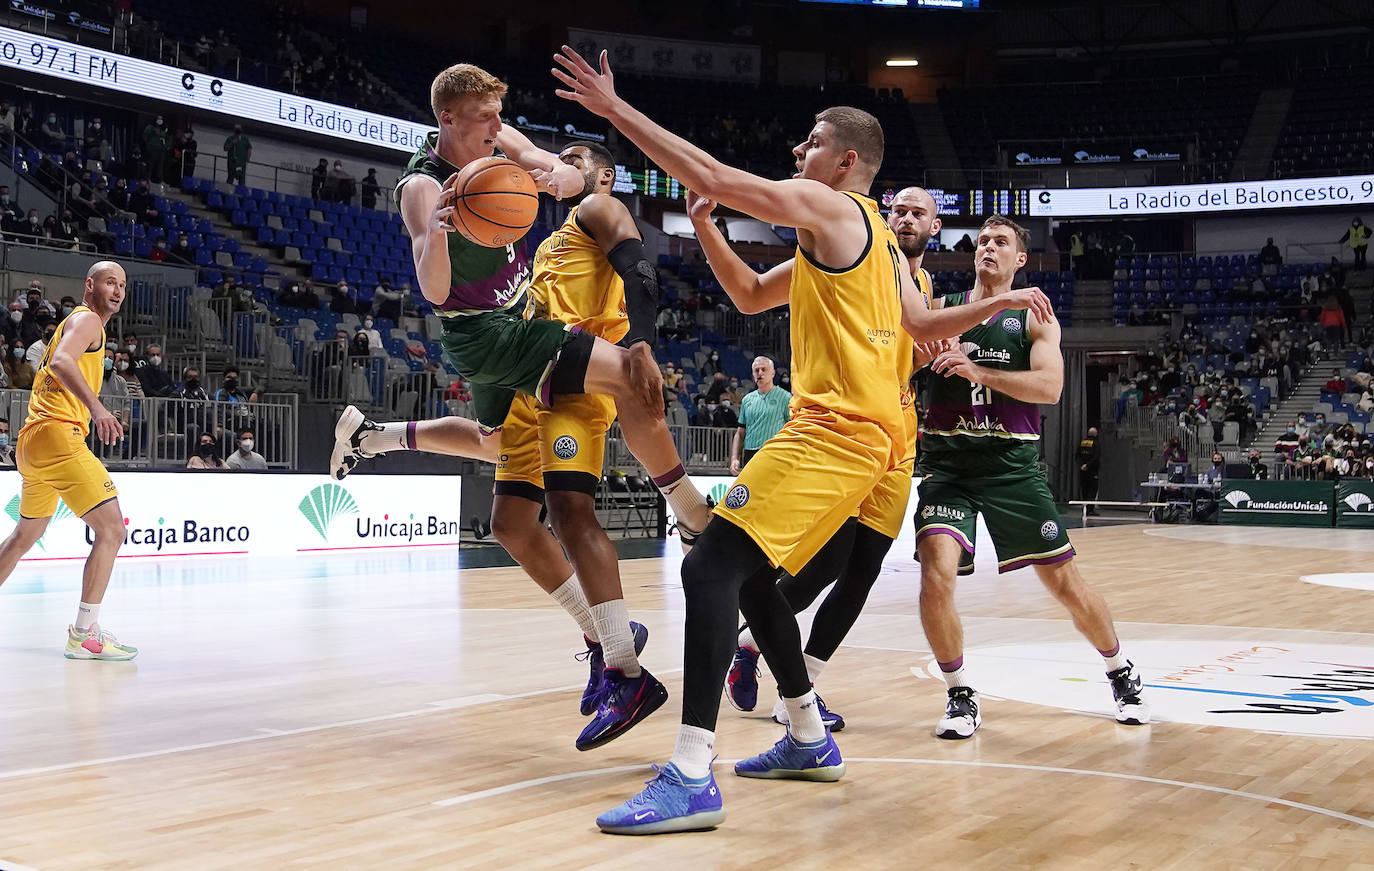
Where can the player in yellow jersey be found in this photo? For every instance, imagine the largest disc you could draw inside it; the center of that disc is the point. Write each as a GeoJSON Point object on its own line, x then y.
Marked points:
{"type": "Point", "coordinates": [554, 455]}
{"type": "Point", "coordinates": [854, 556]}
{"type": "Point", "coordinates": [851, 297]}
{"type": "Point", "coordinates": [55, 462]}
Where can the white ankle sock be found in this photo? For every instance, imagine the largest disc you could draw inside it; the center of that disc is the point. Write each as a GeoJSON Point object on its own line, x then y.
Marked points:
{"type": "Point", "coordinates": [1116, 660]}
{"type": "Point", "coordinates": [387, 437]}
{"type": "Point", "coordinates": [693, 752]}
{"type": "Point", "coordinates": [689, 506]}
{"type": "Point", "coordinates": [746, 639]}
{"type": "Point", "coordinates": [804, 719]}
{"type": "Point", "coordinates": [955, 678]}
{"type": "Point", "coordinates": [814, 667]}
{"type": "Point", "coordinates": [571, 598]}
{"type": "Point", "coordinates": [617, 642]}
{"type": "Point", "coordinates": [86, 614]}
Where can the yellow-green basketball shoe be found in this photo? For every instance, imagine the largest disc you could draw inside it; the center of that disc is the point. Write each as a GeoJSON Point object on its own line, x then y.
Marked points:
{"type": "Point", "coordinates": [96, 643]}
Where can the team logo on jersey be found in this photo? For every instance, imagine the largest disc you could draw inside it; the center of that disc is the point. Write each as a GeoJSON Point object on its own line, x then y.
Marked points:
{"type": "Point", "coordinates": [565, 447]}
{"type": "Point", "coordinates": [738, 497]}
{"type": "Point", "coordinates": [1049, 530]}
{"type": "Point", "coordinates": [1011, 325]}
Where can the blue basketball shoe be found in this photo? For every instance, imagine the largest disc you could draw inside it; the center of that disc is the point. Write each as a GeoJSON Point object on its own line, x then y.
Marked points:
{"type": "Point", "coordinates": [670, 803]}
{"type": "Point", "coordinates": [742, 681]}
{"type": "Point", "coordinates": [792, 760]}
{"type": "Point", "coordinates": [624, 702]}
{"type": "Point", "coordinates": [831, 720]}
{"type": "Point", "coordinates": [596, 662]}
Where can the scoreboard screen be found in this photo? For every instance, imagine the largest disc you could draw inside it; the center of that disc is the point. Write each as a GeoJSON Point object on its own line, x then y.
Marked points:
{"type": "Point", "coordinates": [650, 182]}
{"type": "Point", "coordinates": [974, 203]}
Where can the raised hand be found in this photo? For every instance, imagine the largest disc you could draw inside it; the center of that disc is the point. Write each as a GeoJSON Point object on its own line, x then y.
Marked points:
{"type": "Point", "coordinates": [1034, 299]}
{"type": "Point", "coordinates": [699, 208]}
{"type": "Point", "coordinates": [594, 89]}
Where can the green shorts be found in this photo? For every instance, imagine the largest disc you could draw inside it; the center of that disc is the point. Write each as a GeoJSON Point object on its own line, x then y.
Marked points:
{"type": "Point", "coordinates": [1017, 506]}
{"type": "Point", "coordinates": [502, 354]}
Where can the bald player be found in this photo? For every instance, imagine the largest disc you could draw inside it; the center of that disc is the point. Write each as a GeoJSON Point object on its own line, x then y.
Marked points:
{"type": "Point", "coordinates": [854, 556]}
{"type": "Point", "coordinates": [55, 462]}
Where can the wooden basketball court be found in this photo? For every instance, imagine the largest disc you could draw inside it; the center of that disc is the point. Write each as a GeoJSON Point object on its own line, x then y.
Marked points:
{"type": "Point", "coordinates": [400, 712]}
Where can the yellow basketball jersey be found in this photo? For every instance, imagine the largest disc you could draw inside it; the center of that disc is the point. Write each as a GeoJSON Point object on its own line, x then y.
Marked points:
{"type": "Point", "coordinates": [50, 400]}
{"type": "Point", "coordinates": [908, 364]}
{"type": "Point", "coordinates": [573, 282]}
{"type": "Point", "coordinates": [847, 337]}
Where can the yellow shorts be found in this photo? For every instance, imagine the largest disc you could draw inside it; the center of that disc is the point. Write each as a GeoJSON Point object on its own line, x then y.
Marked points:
{"type": "Point", "coordinates": [885, 508]}
{"type": "Point", "coordinates": [570, 437]}
{"type": "Point", "coordinates": [804, 483]}
{"type": "Point", "coordinates": [54, 461]}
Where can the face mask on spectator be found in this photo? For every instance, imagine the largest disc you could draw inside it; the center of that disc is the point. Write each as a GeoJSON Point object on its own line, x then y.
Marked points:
{"type": "Point", "coordinates": [66, 310]}
{"type": "Point", "coordinates": [18, 352]}
{"type": "Point", "coordinates": [192, 382]}
{"type": "Point", "coordinates": [132, 347]}
{"type": "Point", "coordinates": [109, 364]}
{"type": "Point", "coordinates": [4, 439]}
{"type": "Point", "coordinates": [206, 450]}
{"type": "Point", "coordinates": [123, 365]}
{"type": "Point", "coordinates": [155, 360]}
{"type": "Point", "coordinates": [16, 316]}
{"type": "Point", "coordinates": [247, 445]}
{"type": "Point", "coordinates": [367, 323]}
{"type": "Point", "coordinates": [231, 383]}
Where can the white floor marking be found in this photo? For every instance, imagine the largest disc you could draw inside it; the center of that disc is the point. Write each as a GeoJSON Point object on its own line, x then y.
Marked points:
{"type": "Point", "coordinates": [871, 760]}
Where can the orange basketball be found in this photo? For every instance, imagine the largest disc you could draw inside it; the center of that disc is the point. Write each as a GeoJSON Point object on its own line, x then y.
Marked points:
{"type": "Point", "coordinates": [495, 202]}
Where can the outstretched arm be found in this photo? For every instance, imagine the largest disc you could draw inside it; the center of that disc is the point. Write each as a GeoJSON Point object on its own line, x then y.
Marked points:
{"type": "Point", "coordinates": [800, 203]}
{"type": "Point", "coordinates": [550, 173]}
{"type": "Point", "coordinates": [748, 290]}
{"type": "Point", "coordinates": [929, 324]}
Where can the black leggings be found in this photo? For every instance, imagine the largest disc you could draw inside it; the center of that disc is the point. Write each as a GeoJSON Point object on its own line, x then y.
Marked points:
{"type": "Point", "coordinates": [727, 572]}
{"type": "Point", "coordinates": [854, 576]}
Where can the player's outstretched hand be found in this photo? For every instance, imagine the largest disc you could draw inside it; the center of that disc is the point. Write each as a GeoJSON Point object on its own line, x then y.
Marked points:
{"type": "Point", "coordinates": [1032, 298]}
{"type": "Point", "coordinates": [699, 208]}
{"type": "Point", "coordinates": [107, 428]}
{"type": "Point", "coordinates": [594, 89]}
{"type": "Point", "coordinates": [441, 219]}
{"type": "Point", "coordinates": [645, 379]}
{"type": "Point", "coordinates": [564, 180]}
{"type": "Point", "coordinates": [954, 361]}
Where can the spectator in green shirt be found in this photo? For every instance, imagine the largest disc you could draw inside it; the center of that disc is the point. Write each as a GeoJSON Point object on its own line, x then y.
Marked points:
{"type": "Point", "coordinates": [761, 415]}
{"type": "Point", "coordinates": [239, 150]}
{"type": "Point", "coordinates": [155, 148]}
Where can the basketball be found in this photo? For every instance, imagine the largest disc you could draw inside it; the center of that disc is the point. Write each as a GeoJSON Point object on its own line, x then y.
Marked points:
{"type": "Point", "coordinates": [495, 202]}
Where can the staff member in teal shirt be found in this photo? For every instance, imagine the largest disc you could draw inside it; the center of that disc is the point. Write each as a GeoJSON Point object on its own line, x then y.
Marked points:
{"type": "Point", "coordinates": [761, 415]}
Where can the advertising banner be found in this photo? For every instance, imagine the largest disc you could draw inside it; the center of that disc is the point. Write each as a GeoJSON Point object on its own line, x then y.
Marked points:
{"type": "Point", "coordinates": [57, 59]}
{"type": "Point", "coordinates": [1278, 503]}
{"type": "Point", "coordinates": [1022, 154]}
{"type": "Point", "coordinates": [1355, 503]}
{"type": "Point", "coordinates": [1294, 193]}
{"type": "Point", "coordinates": [235, 513]}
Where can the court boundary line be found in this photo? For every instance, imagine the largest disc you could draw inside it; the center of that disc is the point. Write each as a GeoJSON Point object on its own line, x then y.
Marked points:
{"type": "Point", "coordinates": [468, 798]}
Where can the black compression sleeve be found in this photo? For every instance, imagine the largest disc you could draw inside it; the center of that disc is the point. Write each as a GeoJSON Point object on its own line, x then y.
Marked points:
{"type": "Point", "coordinates": [641, 290]}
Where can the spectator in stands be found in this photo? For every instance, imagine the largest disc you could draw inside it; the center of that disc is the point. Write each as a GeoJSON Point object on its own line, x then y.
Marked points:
{"type": "Point", "coordinates": [18, 372]}
{"type": "Point", "coordinates": [711, 367]}
{"type": "Point", "coordinates": [319, 177]}
{"type": "Point", "coordinates": [31, 231]}
{"type": "Point", "coordinates": [1288, 440]}
{"type": "Point", "coordinates": [155, 148]}
{"type": "Point", "coordinates": [34, 354]}
{"type": "Point", "coordinates": [965, 246]}
{"type": "Point", "coordinates": [94, 145]}
{"type": "Point", "coordinates": [6, 122]}
{"type": "Point", "coordinates": [245, 459]}
{"type": "Point", "coordinates": [1332, 320]}
{"type": "Point", "coordinates": [226, 290]}
{"type": "Point", "coordinates": [725, 417]}
{"type": "Point", "coordinates": [114, 390]}
{"type": "Point", "coordinates": [159, 252]}
{"type": "Point", "coordinates": [1174, 452]}
{"type": "Point", "coordinates": [61, 231]}
{"type": "Point", "coordinates": [6, 447]}
{"type": "Point", "coordinates": [1217, 470]}
{"type": "Point", "coordinates": [1337, 384]}
{"type": "Point", "coordinates": [361, 346]}
{"type": "Point", "coordinates": [370, 189]}
{"type": "Point", "coordinates": [374, 338]}
{"type": "Point", "coordinates": [10, 212]}
{"type": "Point", "coordinates": [1258, 470]}
{"type": "Point", "coordinates": [342, 185]}
{"type": "Point", "coordinates": [1269, 256]}
{"type": "Point", "coordinates": [185, 153]}
{"type": "Point", "coordinates": [182, 252]}
{"type": "Point", "coordinates": [716, 389]}
{"type": "Point", "coordinates": [1303, 460]}
{"type": "Point", "coordinates": [1357, 237]}
{"type": "Point", "coordinates": [339, 300]}
{"type": "Point", "coordinates": [54, 137]}
{"type": "Point", "coordinates": [234, 403]}
{"type": "Point", "coordinates": [142, 205]}
{"type": "Point", "coordinates": [151, 375]}
{"type": "Point", "coordinates": [119, 197]}
{"type": "Point", "coordinates": [387, 300]}
{"type": "Point", "coordinates": [206, 456]}
{"type": "Point", "coordinates": [239, 150]}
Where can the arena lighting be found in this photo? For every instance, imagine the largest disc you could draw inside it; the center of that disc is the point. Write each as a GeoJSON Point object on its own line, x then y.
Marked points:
{"type": "Point", "coordinates": [903, 62]}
